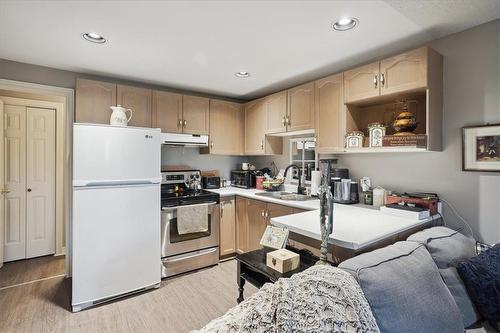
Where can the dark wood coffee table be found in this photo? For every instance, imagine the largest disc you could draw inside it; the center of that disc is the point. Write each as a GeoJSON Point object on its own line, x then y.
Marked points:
{"type": "Point", "coordinates": [252, 268]}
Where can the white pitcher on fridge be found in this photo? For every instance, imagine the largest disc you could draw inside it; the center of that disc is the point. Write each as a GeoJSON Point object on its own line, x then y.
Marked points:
{"type": "Point", "coordinates": [119, 116]}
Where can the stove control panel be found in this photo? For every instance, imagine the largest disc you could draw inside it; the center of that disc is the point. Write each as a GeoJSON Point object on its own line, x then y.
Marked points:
{"type": "Point", "coordinates": [180, 176]}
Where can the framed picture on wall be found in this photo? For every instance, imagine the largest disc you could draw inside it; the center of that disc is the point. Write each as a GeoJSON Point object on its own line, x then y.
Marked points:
{"type": "Point", "coordinates": [481, 148]}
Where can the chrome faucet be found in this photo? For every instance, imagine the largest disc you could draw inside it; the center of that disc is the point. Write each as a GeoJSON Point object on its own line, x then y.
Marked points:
{"type": "Point", "coordinates": [300, 188]}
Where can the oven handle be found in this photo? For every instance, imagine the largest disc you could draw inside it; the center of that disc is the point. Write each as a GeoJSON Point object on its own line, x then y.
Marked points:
{"type": "Point", "coordinates": [173, 208]}
{"type": "Point", "coordinates": [197, 254]}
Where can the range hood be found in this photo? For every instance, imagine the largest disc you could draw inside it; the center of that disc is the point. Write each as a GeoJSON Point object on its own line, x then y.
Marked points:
{"type": "Point", "coordinates": [184, 140]}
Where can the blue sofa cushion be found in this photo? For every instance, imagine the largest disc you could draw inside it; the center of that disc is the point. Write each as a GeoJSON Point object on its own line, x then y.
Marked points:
{"type": "Point", "coordinates": [448, 247]}
{"type": "Point", "coordinates": [405, 290]}
{"type": "Point", "coordinates": [481, 275]}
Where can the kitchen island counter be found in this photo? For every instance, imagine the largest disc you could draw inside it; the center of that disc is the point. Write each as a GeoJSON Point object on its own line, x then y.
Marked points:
{"type": "Point", "coordinates": [354, 226]}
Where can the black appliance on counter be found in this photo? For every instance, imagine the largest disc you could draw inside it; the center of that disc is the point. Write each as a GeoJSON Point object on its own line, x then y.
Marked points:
{"type": "Point", "coordinates": [210, 182]}
{"type": "Point", "coordinates": [243, 179]}
{"type": "Point", "coordinates": [338, 190]}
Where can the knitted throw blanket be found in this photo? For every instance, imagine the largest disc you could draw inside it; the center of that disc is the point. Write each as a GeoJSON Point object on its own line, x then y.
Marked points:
{"type": "Point", "coordinates": [320, 299]}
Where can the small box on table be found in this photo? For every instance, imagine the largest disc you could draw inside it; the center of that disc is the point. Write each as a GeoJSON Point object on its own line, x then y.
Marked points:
{"type": "Point", "coordinates": [283, 260]}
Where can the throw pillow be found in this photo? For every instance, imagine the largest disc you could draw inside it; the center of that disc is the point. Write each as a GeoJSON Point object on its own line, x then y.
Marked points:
{"type": "Point", "coordinates": [448, 247]}
{"type": "Point", "coordinates": [481, 276]}
{"type": "Point", "coordinates": [405, 291]}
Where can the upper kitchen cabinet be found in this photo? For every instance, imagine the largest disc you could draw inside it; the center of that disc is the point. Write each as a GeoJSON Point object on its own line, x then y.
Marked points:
{"type": "Point", "coordinates": [404, 72]}
{"type": "Point", "coordinates": [139, 100]}
{"type": "Point", "coordinates": [195, 114]}
{"type": "Point", "coordinates": [329, 109]}
{"type": "Point", "coordinates": [226, 128]}
{"type": "Point", "coordinates": [256, 141]}
{"type": "Point", "coordinates": [362, 83]}
{"type": "Point", "coordinates": [167, 111]}
{"type": "Point", "coordinates": [276, 112]}
{"type": "Point", "coordinates": [300, 115]}
{"type": "Point", "coordinates": [93, 101]}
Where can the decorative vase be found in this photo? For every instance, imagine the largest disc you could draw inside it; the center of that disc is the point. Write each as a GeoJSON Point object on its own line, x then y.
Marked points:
{"type": "Point", "coordinates": [326, 214]}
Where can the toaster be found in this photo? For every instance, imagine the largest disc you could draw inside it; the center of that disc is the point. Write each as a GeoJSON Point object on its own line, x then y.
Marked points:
{"type": "Point", "coordinates": [210, 182]}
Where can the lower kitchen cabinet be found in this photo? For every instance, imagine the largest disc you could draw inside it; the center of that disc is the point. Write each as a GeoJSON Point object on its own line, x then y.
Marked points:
{"type": "Point", "coordinates": [227, 226]}
{"type": "Point", "coordinates": [252, 218]}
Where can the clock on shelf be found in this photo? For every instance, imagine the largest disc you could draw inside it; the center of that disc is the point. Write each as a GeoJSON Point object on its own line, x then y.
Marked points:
{"type": "Point", "coordinates": [376, 134]}
{"type": "Point", "coordinates": [354, 139]}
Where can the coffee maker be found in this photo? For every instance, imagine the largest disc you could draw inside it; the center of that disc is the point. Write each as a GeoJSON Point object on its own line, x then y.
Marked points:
{"type": "Point", "coordinates": [344, 190]}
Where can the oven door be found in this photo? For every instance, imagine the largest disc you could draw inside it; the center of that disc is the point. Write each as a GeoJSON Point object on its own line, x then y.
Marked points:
{"type": "Point", "coordinates": [172, 243]}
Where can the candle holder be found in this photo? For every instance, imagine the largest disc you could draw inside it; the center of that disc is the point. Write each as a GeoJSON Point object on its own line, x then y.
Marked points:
{"type": "Point", "coordinates": [326, 214]}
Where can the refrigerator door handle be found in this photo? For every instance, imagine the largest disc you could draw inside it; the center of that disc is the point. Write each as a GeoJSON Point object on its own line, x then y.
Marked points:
{"type": "Point", "coordinates": [84, 183]}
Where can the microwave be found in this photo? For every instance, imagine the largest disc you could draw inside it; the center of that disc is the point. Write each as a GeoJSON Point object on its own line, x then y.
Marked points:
{"type": "Point", "coordinates": [243, 179]}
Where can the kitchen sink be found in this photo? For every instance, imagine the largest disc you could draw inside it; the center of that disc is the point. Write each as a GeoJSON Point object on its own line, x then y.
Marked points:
{"type": "Point", "coordinates": [285, 196]}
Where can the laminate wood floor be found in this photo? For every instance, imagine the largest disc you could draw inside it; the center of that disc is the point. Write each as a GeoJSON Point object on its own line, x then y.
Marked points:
{"type": "Point", "coordinates": [181, 304]}
{"type": "Point", "coordinates": [22, 271]}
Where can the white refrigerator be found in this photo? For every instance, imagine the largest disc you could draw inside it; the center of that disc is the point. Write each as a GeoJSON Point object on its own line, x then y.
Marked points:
{"type": "Point", "coordinates": [116, 212]}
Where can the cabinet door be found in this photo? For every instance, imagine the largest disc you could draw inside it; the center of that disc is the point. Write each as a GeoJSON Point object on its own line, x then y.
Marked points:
{"type": "Point", "coordinates": [301, 107]}
{"type": "Point", "coordinates": [195, 114]}
{"type": "Point", "coordinates": [362, 83]}
{"type": "Point", "coordinates": [227, 227]}
{"type": "Point", "coordinates": [255, 127]}
{"type": "Point", "coordinates": [329, 104]}
{"type": "Point", "coordinates": [226, 127]}
{"type": "Point", "coordinates": [276, 112]}
{"type": "Point", "coordinates": [241, 225]}
{"type": "Point", "coordinates": [139, 100]}
{"type": "Point", "coordinates": [274, 210]}
{"type": "Point", "coordinates": [257, 223]}
{"type": "Point", "coordinates": [167, 111]}
{"type": "Point", "coordinates": [93, 101]}
{"type": "Point", "coordinates": [404, 72]}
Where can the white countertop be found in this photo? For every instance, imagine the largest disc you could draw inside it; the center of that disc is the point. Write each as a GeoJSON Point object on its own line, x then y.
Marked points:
{"type": "Point", "coordinates": [312, 204]}
{"type": "Point", "coordinates": [354, 226]}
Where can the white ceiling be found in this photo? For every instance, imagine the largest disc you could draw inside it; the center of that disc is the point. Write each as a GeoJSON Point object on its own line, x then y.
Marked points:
{"type": "Point", "coordinates": [199, 45]}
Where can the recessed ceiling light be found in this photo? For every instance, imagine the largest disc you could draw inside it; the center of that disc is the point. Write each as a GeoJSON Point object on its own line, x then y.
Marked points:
{"type": "Point", "coordinates": [242, 74]}
{"type": "Point", "coordinates": [345, 23]}
{"type": "Point", "coordinates": [94, 38]}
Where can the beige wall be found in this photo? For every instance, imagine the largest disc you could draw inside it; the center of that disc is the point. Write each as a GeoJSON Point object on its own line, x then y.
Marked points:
{"type": "Point", "coordinates": [471, 96]}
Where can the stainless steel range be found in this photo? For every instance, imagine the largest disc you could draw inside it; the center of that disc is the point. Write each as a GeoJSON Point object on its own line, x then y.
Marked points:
{"type": "Point", "coordinates": [183, 252]}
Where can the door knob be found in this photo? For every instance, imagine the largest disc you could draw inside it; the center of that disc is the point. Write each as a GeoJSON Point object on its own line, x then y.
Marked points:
{"type": "Point", "coordinates": [4, 191]}
{"type": "Point", "coordinates": [29, 190]}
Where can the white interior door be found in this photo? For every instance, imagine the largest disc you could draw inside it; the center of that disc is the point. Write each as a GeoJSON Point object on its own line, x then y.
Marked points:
{"type": "Point", "coordinates": [40, 180]}
{"type": "Point", "coordinates": [14, 154]}
{"type": "Point", "coordinates": [2, 188]}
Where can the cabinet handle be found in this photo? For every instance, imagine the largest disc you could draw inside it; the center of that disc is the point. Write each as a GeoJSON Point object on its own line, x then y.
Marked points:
{"type": "Point", "coordinates": [375, 80]}
{"type": "Point", "coordinates": [185, 123]}
{"type": "Point", "coordinates": [267, 213]}
{"type": "Point", "coordinates": [211, 144]}
{"type": "Point", "coordinates": [283, 121]}
{"type": "Point", "coordinates": [262, 144]}
{"type": "Point", "coordinates": [4, 191]}
{"type": "Point", "coordinates": [382, 79]}
{"type": "Point", "coordinates": [29, 190]}
{"type": "Point", "coordinates": [179, 123]}
{"type": "Point", "coordinates": [262, 213]}
{"type": "Point", "coordinates": [288, 121]}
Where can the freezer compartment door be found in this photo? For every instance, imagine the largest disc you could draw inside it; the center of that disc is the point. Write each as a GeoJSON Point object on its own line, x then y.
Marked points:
{"type": "Point", "coordinates": [116, 241]}
{"type": "Point", "coordinates": [111, 155]}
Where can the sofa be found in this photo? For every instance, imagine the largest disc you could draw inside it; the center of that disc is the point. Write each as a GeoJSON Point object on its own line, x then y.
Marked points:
{"type": "Point", "coordinates": [410, 286]}
{"type": "Point", "coordinates": [413, 285]}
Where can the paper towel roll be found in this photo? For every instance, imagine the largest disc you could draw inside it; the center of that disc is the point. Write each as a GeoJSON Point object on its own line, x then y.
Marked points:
{"type": "Point", "coordinates": [315, 181]}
